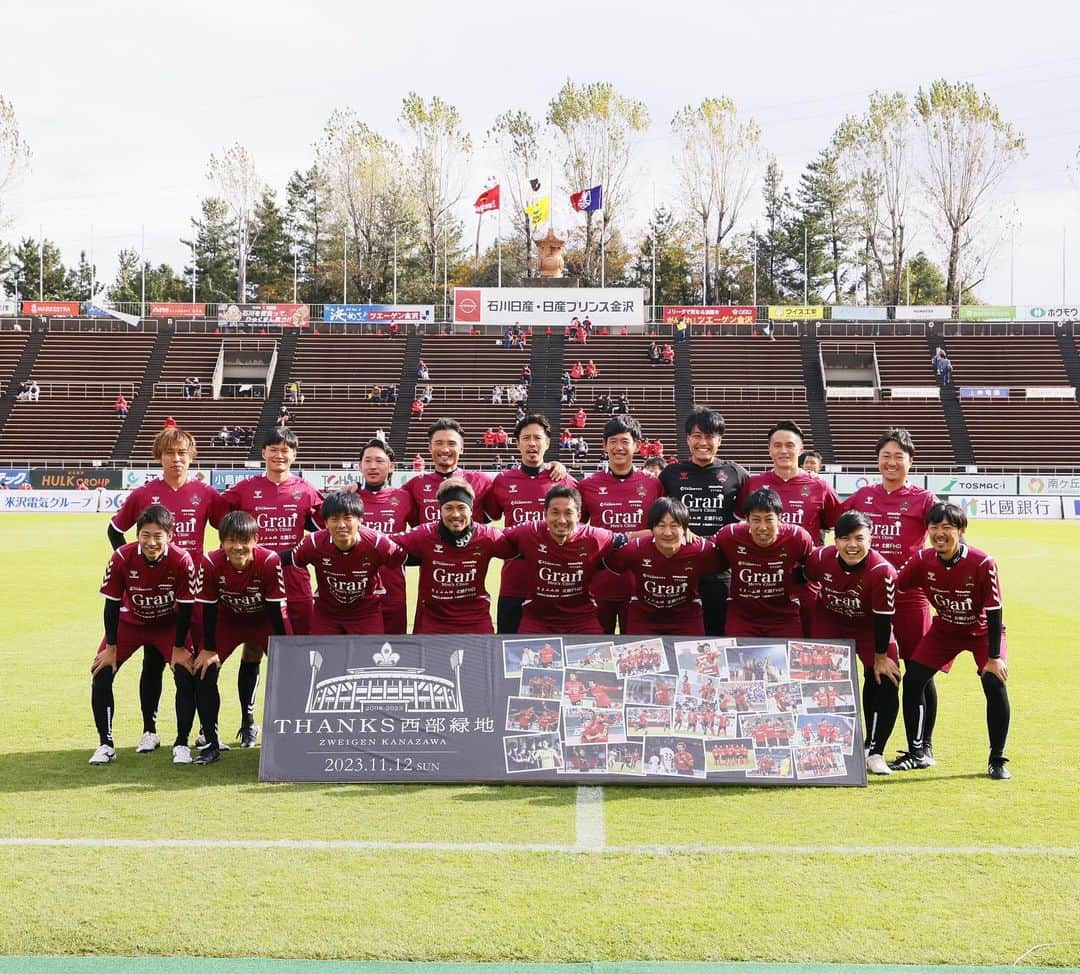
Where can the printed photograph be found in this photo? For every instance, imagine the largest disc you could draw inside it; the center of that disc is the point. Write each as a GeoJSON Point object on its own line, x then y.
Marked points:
{"type": "Point", "coordinates": [784, 698]}
{"type": "Point", "coordinates": [699, 685]}
{"type": "Point", "coordinates": [640, 657]}
{"type": "Point", "coordinates": [705, 656]}
{"type": "Point", "coordinates": [820, 761]}
{"type": "Point", "coordinates": [590, 656]}
{"type": "Point", "coordinates": [543, 652]}
{"type": "Point", "coordinates": [592, 689]}
{"type": "Point", "coordinates": [680, 757]}
{"type": "Point", "coordinates": [835, 729]}
{"type": "Point", "coordinates": [626, 758]}
{"type": "Point", "coordinates": [533, 752]}
{"type": "Point", "coordinates": [766, 663]}
{"type": "Point", "coordinates": [658, 689]}
{"type": "Point", "coordinates": [773, 762]}
{"type": "Point", "coordinates": [768, 730]}
{"type": "Point", "coordinates": [701, 718]}
{"type": "Point", "coordinates": [820, 698]}
{"type": "Point", "coordinates": [587, 725]}
{"type": "Point", "coordinates": [584, 758]}
{"type": "Point", "coordinates": [818, 661]}
{"type": "Point", "coordinates": [742, 698]}
{"type": "Point", "coordinates": [647, 720]}
{"type": "Point", "coordinates": [729, 754]}
{"type": "Point", "coordinates": [528, 714]}
{"type": "Point", "coordinates": [543, 684]}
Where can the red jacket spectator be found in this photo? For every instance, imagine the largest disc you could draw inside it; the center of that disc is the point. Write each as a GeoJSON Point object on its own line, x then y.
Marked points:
{"type": "Point", "coordinates": [489, 437]}
{"type": "Point", "coordinates": [580, 419]}
{"type": "Point", "coordinates": [121, 406]}
{"type": "Point", "coordinates": [501, 437]}
{"type": "Point", "coordinates": [591, 371]}
{"type": "Point", "coordinates": [418, 464]}
{"type": "Point", "coordinates": [417, 408]}
{"type": "Point", "coordinates": [667, 353]}
{"type": "Point", "coordinates": [577, 371]}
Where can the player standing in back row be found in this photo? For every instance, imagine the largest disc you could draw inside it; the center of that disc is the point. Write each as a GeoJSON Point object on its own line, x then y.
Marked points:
{"type": "Point", "coordinates": [709, 488]}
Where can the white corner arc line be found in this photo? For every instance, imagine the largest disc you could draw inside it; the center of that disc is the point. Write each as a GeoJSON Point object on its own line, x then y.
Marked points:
{"type": "Point", "coordinates": [589, 819]}
{"type": "Point", "coordinates": [511, 848]}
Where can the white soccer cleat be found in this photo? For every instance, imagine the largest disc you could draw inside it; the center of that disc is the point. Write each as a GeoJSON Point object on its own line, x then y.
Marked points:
{"type": "Point", "coordinates": [876, 764]}
{"type": "Point", "coordinates": [147, 743]}
{"type": "Point", "coordinates": [181, 754]}
{"type": "Point", "coordinates": [103, 755]}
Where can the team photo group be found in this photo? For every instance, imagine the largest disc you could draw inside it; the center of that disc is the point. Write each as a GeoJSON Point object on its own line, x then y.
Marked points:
{"type": "Point", "coordinates": [697, 548]}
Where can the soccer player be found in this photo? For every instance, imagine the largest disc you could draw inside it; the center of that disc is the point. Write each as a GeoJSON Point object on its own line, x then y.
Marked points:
{"type": "Point", "coordinates": [666, 570]}
{"type": "Point", "coordinates": [709, 487]}
{"type": "Point", "coordinates": [284, 507]}
{"type": "Point", "coordinates": [148, 588]}
{"type": "Point", "coordinates": [808, 500]}
{"type": "Point", "coordinates": [454, 555]}
{"type": "Point", "coordinates": [347, 558]}
{"type": "Point", "coordinates": [562, 556]}
{"type": "Point", "coordinates": [517, 495]}
{"type": "Point", "coordinates": [192, 504]}
{"type": "Point", "coordinates": [763, 554]}
{"type": "Point", "coordinates": [446, 442]}
{"type": "Point", "coordinates": [617, 499]}
{"type": "Point", "coordinates": [387, 510]}
{"type": "Point", "coordinates": [856, 601]}
{"type": "Point", "coordinates": [241, 587]}
{"type": "Point", "coordinates": [962, 585]}
{"type": "Point", "coordinates": [897, 511]}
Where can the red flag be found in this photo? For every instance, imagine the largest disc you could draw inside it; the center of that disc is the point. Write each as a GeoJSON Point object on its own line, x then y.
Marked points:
{"type": "Point", "coordinates": [488, 200]}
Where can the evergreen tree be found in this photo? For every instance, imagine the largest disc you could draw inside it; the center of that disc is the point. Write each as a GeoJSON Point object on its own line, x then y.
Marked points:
{"type": "Point", "coordinates": [80, 280]}
{"type": "Point", "coordinates": [26, 264]}
{"type": "Point", "coordinates": [674, 261]}
{"type": "Point", "coordinates": [823, 196]}
{"type": "Point", "coordinates": [128, 284]}
{"type": "Point", "coordinates": [270, 266]}
{"type": "Point", "coordinates": [215, 252]}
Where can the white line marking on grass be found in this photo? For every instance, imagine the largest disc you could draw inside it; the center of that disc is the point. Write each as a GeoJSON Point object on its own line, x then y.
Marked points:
{"type": "Point", "coordinates": [509, 848]}
{"type": "Point", "coordinates": [590, 819]}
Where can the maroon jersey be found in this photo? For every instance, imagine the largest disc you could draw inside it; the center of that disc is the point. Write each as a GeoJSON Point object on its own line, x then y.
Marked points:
{"type": "Point", "coordinates": [453, 598]}
{"type": "Point", "coordinates": [662, 583]}
{"type": "Point", "coordinates": [423, 490]}
{"type": "Point", "coordinates": [617, 504]}
{"type": "Point", "coordinates": [960, 591]}
{"type": "Point", "coordinates": [518, 497]}
{"type": "Point", "coordinates": [349, 584]}
{"type": "Point", "coordinates": [560, 575]}
{"type": "Point", "coordinates": [898, 518]}
{"type": "Point", "coordinates": [809, 501]}
{"type": "Point", "coordinates": [191, 506]}
{"type": "Point", "coordinates": [761, 578]}
{"type": "Point", "coordinates": [242, 594]}
{"type": "Point", "coordinates": [281, 511]}
{"type": "Point", "coordinates": [853, 596]}
{"type": "Point", "coordinates": [149, 591]}
{"type": "Point", "coordinates": [387, 510]}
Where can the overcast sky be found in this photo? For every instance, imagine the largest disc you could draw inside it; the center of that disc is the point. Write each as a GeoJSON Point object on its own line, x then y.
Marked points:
{"type": "Point", "coordinates": [123, 102]}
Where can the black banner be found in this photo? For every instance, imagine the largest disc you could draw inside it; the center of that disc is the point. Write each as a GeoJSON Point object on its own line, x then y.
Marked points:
{"type": "Point", "coordinates": [562, 710]}
{"type": "Point", "coordinates": [76, 478]}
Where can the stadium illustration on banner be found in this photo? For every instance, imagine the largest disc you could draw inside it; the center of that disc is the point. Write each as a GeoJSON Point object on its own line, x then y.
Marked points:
{"type": "Point", "coordinates": [658, 710]}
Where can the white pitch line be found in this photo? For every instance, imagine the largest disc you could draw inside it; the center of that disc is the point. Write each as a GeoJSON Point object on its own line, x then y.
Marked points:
{"type": "Point", "coordinates": [509, 848]}
{"type": "Point", "coordinates": [589, 824]}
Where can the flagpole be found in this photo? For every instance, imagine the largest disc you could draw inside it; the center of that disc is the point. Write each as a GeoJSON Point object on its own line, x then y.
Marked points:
{"type": "Point", "coordinates": [194, 271]}
{"type": "Point", "coordinates": [294, 269]}
{"type": "Point", "coordinates": [476, 252]}
{"type": "Point", "coordinates": [498, 237]}
{"type": "Point", "coordinates": [395, 263]}
{"type": "Point", "coordinates": [345, 269]}
{"type": "Point", "coordinates": [142, 260]}
{"type": "Point", "coordinates": [445, 250]}
{"type": "Point", "coordinates": [41, 262]}
{"type": "Point", "coordinates": [91, 262]}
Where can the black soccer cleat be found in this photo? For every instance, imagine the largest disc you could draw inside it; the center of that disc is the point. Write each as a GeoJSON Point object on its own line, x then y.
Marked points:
{"type": "Point", "coordinates": [208, 755]}
{"type": "Point", "coordinates": [248, 735]}
{"type": "Point", "coordinates": [997, 770]}
{"type": "Point", "coordinates": [910, 761]}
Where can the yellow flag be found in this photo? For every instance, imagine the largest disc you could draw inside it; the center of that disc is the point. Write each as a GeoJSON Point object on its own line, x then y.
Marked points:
{"type": "Point", "coordinates": [540, 211]}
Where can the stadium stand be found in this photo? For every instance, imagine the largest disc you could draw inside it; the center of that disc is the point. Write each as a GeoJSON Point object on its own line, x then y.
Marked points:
{"type": "Point", "coordinates": [80, 375]}
{"type": "Point", "coordinates": [12, 344]}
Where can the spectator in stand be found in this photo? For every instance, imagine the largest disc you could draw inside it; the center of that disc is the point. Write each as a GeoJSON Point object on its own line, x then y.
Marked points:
{"type": "Point", "coordinates": [622, 405]}
{"type": "Point", "coordinates": [375, 395]}
{"type": "Point", "coordinates": [520, 414]}
{"type": "Point", "coordinates": [526, 375]}
{"type": "Point", "coordinates": [566, 380]}
{"type": "Point", "coordinates": [586, 327]}
{"type": "Point", "coordinates": [502, 438]}
{"type": "Point", "coordinates": [417, 408]}
{"type": "Point", "coordinates": [653, 354]}
{"type": "Point", "coordinates": [577, 372]}
{"type": "Point", "coordinates": [489, 437]}
{"type": "Point", "coordinates": [942, 365]}
{"type": "Point", "coordinates": [569, 396]}
{"type": "Point", "coordinates": [520, 341]}
{"type": "Point", "coordinates": [121, 406]}
{"type": "Point", "coordinates": [496, 395]}
{"type": "Point", "coordinates": [602, 403]}
{"type": "Point", "coordinates": [422, 370]}
{"type": "Point", "coordinates": [169, 424]}
{"type": "Point", "coordinates": [427, 394]}
{"type": "Point", "coordinates": [580, 418]}
{"type": "Point", "coordinates": [187, 387]}
{"type": "Point", "coordinates": [292, 393]}
{"type": "Point", "coordinates": [196, 387]}
{"type": "Point", "coordinates": [667, 354]}
{"type": "Point", "coordinates": [581, 450]}
{"type": "Point", "coordinates": [391, 394]}
{"type": "Point", "coordinates": [682, 330]}
{"type": "Point", "coordinates": [591, 371]}
{"type": "Point", "coordinates": [380, 435]}
{"type": "Point", "coordinates": [283, 416]}
{"type": "Point", "coordinates": [418, 463]}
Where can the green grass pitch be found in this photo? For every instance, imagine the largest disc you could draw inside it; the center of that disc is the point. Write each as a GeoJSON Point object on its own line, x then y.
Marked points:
{"type": "Point", "coordinates": [820, 875]}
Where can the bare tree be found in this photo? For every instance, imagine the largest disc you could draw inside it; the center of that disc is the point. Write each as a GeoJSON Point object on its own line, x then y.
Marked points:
{"type": "Point", "coordinates": [366, 179]}
{"type": "Point", "coordinates": [875, 153]}
{"type": "Point", "coordinates": [969, 148]}
{"type": "Point", "coordinates": [718, 163]}
{"type": "Point", "coordinates": [517, 137]}
{"type": "Point", "coordinates": [438, 165]}
{"type": "Point", "coordinates": [238, 181]}
{"type": "Point", "coordinates": [598, 126]}
{"type": "Point", "coordinates": [14, 155]}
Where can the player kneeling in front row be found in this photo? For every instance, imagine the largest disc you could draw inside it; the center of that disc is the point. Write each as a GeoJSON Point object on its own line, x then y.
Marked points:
{"type": "Point", "coordinates": [148, 589]}
{"type": "Point", "coordinates": [857, 601]}
{"type": "Point", "coordinates": [962, 585]}
{"type": "Point", "coordinates": [241, 587]}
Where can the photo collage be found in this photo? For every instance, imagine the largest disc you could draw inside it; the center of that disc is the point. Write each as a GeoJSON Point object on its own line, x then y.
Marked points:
{"type": "Point", "coordinates": [698, 709]}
